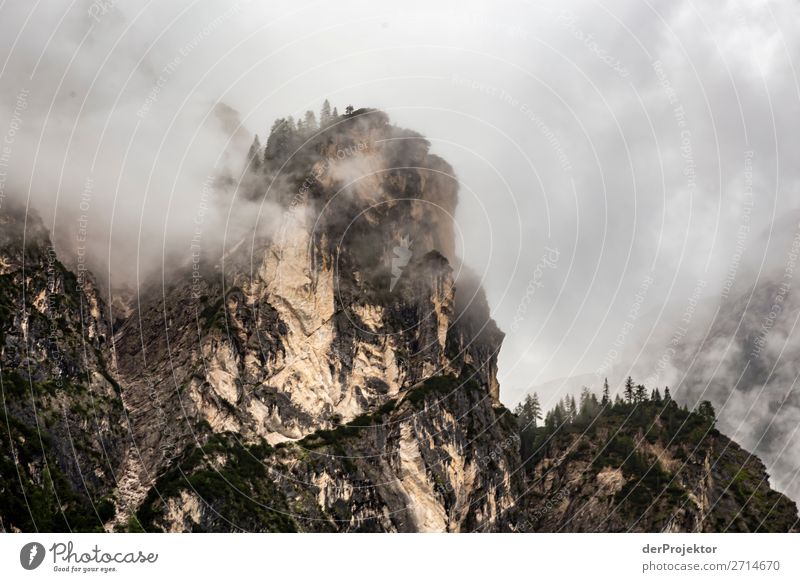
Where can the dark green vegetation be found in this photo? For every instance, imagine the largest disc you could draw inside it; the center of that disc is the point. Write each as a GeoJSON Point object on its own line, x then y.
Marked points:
{"type": "Point", "coordinates": [47, 461]}
{"type": "Point", "coordinates": [676, 468]}
{"type": "Point", "coordinates": [60, 414]}
{"type": "Point", "coordinates": [294, 146]}
{"type": "Point", "coordinates": [225, 485]}
{"type": "Point", "coordinates": [36, 494]}
{"type": "Point", "coordinates": [232, 483]}
{"type": "Point", "coordinates": [429, 453]}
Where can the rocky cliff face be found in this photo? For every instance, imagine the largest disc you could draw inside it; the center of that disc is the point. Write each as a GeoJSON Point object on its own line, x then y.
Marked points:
{"type": "Point", "coordinates": [648, 467]}
{"type": "Point", "coordinates": [335, 370]}
{"type": "Point", "coordinates": [62, 430]}
{"type": "Point", "coordinates": [341, 310]}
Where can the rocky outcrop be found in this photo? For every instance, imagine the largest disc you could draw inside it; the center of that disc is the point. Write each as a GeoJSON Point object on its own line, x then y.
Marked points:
{"type": "Point", "coordinates": [62, 437]}
{"type": "Point", "coordinates": [439, 458]}
{"type": "Point", "coordinates": [334, 370]}
{"type": "Point", "coordinates": [649, 467]}
{"type": "Point", "coordinates": [344, 307]}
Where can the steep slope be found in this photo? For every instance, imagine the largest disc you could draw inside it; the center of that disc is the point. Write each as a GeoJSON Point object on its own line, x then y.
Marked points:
{"type": "Point", "coordinates": [61, 415]}
{"type": "Point", "coordinates": [648, 467]}
{"type": "Point", "coordinates": [335, 370]}
{"type": "Point", "coordinates": [742, 348]}
{"type": "Point", "coordinates": [339, 312]}
{"type": "Point", "coordinates": [746, 362]}
{"type": "Point", "coordinates": [429, 461]}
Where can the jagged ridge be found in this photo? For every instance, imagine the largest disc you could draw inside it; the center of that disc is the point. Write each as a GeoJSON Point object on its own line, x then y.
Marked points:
{"type": "Point", "coordinates": [318, 385]}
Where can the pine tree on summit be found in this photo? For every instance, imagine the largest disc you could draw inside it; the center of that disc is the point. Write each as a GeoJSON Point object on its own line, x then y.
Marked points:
{"type": "Point", "coordinates": [606, 400]}
{"type": "Point", "coordinates": [310, 121]}
{"type": "Point", "coordinates": [529, 411]}
{"type": "Point", "coordinates": [534, 408]}
{"type": "Point", "coordinates": [279, 140]}
{"type": "Point", "coordinates": [325, 114]}
{"type": "Point", "coordinates": [571, 408]}
{"type": "Point", "coordinates": [641, 393]}
{"type": "Point", "coordinates": [254, 154]}
{"type": "Point", "coordinates": [706, 410]}
{"type": "Point", "coordinates": [629, 390]}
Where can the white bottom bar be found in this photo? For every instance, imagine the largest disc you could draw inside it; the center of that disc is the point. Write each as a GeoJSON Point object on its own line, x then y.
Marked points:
{"type": "Point", "coordinates": [334, 557]}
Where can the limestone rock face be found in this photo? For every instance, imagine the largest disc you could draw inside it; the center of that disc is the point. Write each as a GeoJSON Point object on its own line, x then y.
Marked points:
{"type": "Point", "coordinates": [345, 305]}
{"type": "Point", "coordinates": [62, 437]}
{"type": "Point", "coordinates": [333, 369]}
{"type": "Point", "coordinates": [651, 467]}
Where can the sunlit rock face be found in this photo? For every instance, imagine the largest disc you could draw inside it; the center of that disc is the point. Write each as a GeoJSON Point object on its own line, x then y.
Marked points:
{"type": "Point", "coordinates": [347, 301]}
{"type": "Point", "coordinates": [333, 367]}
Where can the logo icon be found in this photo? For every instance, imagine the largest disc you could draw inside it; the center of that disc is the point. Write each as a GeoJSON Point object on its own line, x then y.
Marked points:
{"type": "Point", "coordinates": [402, 254]}
{"type": "Point", "coordinates": [31, 555]}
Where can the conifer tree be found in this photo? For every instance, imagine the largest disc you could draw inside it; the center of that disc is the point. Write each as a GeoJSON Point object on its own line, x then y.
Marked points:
{"type": "Point", "coordinates": [586, 395]}
{"type": "Point", "coordinates": [325, 114]}
{"type": "Point", "coordinates": [606, 394]}
{"type": "Point", "coordinates": [535, 409]}
{"type": "Point", "coordinates": [706, 410]}
{"type": "Point", "coordinates": [529, 411]}
{"type": "Point", "coordinates": [629, 390]}
{"type": "Point", "coordinates": [310, 121]}
{"type": "Point", "coordinates": [254, 154]}
{"type": "Point", "coordinates": [280, 137]}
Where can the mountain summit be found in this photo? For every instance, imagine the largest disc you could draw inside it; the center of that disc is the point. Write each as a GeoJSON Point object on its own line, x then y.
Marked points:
{"type": "Point", "coordinates": [334, 370]}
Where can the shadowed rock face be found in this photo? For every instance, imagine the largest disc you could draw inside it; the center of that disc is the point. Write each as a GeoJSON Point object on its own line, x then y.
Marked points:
{"type": "Point", "coordinates": [648, 467]}
{"type": "Point", "coordinates": [344, 308]}
{"type": "Point", "coordinates": [333, 372]}
{"type": "Point", "coordinates": [61, 440]}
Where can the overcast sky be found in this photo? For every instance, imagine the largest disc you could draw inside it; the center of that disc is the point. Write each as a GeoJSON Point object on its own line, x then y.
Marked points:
{"type": "Point", "coordinates": [614, 158]}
